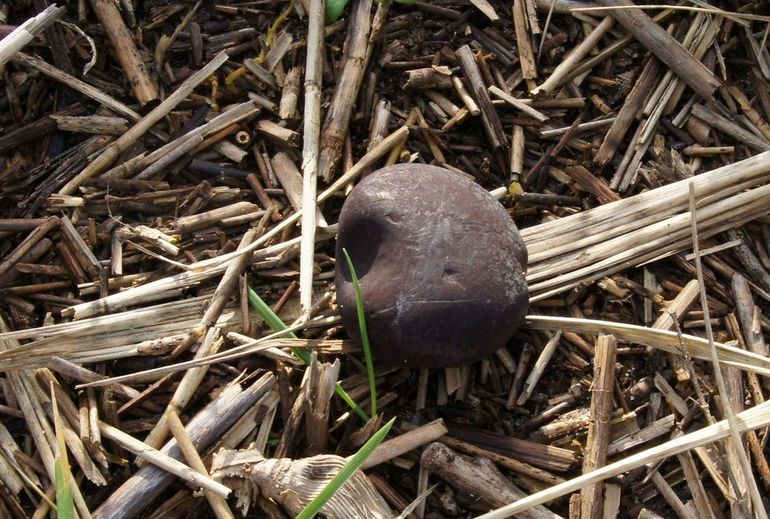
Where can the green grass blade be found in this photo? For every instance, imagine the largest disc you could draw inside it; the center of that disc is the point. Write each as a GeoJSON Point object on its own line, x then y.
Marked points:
{"type": "Point", "coordinates": [65, 504]}
{"type": "Point", "coordinates": [275, 324]}
{"type": "Point", "coordinates": [364, 333]}
{"type": "Point", "coordinates": [334, 10]}
{"type": "Point", "coordinates": [346, 473]}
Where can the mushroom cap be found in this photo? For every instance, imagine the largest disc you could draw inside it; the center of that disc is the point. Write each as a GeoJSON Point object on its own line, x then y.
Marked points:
{"type": "Point", "coordinates": [441, 266]}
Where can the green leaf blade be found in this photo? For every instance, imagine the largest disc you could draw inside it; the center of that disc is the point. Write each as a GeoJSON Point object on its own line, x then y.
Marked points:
{"type": "Point", "coordinates": [276, 324]}
{"type": "Point", "coordinates": [364, 333]}
{"type": "Point", "coordinates": [334, 9]}
{"type": "Point", "coordinates": [65, 503]}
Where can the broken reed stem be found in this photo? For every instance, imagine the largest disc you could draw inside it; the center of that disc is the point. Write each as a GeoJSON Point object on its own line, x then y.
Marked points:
{"type": "Point", "coordinates": [310, 150]}
{"type": "Point", "coordinates": [478, 476]}
{"type": "Point", "coordinates": [489, 117]}
{"type": "Point", "coordinates": [735, 438]}
{"type": "Point", "coordinates": [573, 58]}
{"type": "Point", "coordinates": [76, 84]}
{"type": "Point", "coordinates": [207, 268]}
{"type": "Point", "coordinates": [227, 284]}
{"type": "Point", "coordinates": [164, 287]}
{"type": "Point", "coordinates": [672, 196]}
{"type": "Point", "coordinates": [128, 56]}
{"type": "Point", "coordinates": [555, 273]}
{"type": "Point", "coordinates": [26, 32]}
{"type": "Point", "coordinates": [162, 460]}
{"type": "Point", "coordinates": [518, 104]}
{"type": "Point", "coordinates": [28, 243]}
{"type": "Point", "coordinates": [255, 346]}
{"type": "Point", "coordinates": [599, 430]}
{"type": "Point", "coordinates": [664, 340]}
{"type": "Point", "coordinates": [149, 163]}
{"type": "Point", "coordinates": [749, 420]}
{"type": "Point", "coordinates": [539, 367]}
{"type": "Point", "coordinates": [366, 161]}
{"type": "Point", "coordinates": [628, 112]}
{"type": "Point", "coordinates": [186, 388]}
{"type": "Point", "coordinates": [111, 152]}
{"type": "Point", "coordinates": [524, 43]}
{"type": "Point", "coordinates": [674, 310]}
{"type": "Point", "coordinates": [406, 442]}
{"type": "Point", "coordinates": [321, 382]}
{"type": "Point", "coordinates": [665, 47]}
{"type": "Point", "coordinates": [218, 503]}
{"type": "Point", "coordinates": [346, 89]}
{"type": "Point", "coordinates": [205, 428]}
{"type": "Point", "coordinates": [22, 386]}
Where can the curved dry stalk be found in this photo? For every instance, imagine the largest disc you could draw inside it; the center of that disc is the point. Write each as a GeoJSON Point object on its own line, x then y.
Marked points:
{"type": "Point", "coordinates": [735, 438]}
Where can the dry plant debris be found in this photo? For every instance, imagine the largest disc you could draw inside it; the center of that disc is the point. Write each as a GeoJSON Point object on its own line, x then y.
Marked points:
{"type": "Point", "coordinates": [164, 163]}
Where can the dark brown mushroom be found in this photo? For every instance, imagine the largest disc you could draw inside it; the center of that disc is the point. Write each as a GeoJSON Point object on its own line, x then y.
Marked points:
{"type": "Point", "coordinates": [441, 264]}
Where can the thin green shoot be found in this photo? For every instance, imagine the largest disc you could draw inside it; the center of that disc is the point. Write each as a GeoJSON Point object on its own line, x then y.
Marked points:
{"type": "Point", "coordinates": [65, 504]}
{"type": "Point", "coordinates": [364, 333]}
{"type": "Point", "coordinates": [334, 8]}
{"type": "Point", "coordinates": [345, 473]}
{"type": "Point", "coordinates": [275, 323]}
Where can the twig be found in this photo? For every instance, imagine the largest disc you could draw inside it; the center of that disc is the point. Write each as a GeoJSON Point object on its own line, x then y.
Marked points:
{"type": "Point", "coordinates": [26, 32]}
{"type": "Point", "coordinates": [204, 429]}
{"type": "Point", "coordinates": [478, 476]}
{"type": "Point", "coordinates": [217, 502]}
{"type": "Point", "coordinates": [112, 151]}
{"type": "Point", "coordinates": [669, 318]}
{"type": "Point", "coordinates": [516, 103]}
{"type": "Point", "coordinates": [367, 160]}
{"type": "Point", "coordinates": [141, 83]}
{"type": "Point", "coordinates": [664, 340]}
{"type": "Point", "coordinates": [162, 460]}
{"type": "Point", "coordinates": [492, 125]}
{"type": "Point", "coordinates": [599, 430]}
{"type": "Point", "coordinates": [406, 442]}
{"type": "Point", "coordinates": [310, 150]}
{"type": "Point", "coordinates": [338, 115]}
{"type": "Point", "coordinates": [557, 77]}
{"type": "Point", "coordinates": [540, 365]}
{"type": "Point", "coordinates": [754, 418]}
{"type": "Point", "coordinates": [76, 84]}
{"type": "Point", "coordinates": [665, 47]}
{"type": "Point", "coordinates": [26, 245]}
{"type": "Point", "coordinates": [730, 128]}
{"type": "Point", "coordinates": [186, 388]}
{"type": "Point", "coordinates": [524, 43]}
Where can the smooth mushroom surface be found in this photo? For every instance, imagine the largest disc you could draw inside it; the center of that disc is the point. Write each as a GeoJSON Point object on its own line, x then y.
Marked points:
{"type": "Point", "coordinates": [441, 265]}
